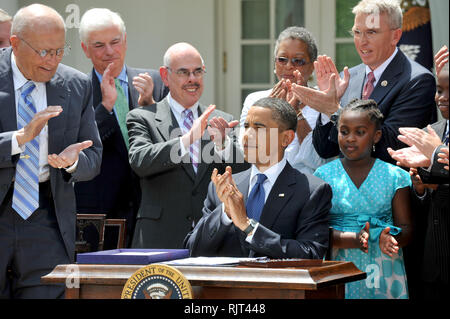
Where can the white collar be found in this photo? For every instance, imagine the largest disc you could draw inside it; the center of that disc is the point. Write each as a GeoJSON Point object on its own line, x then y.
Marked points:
{"type": "Point", "coordinates": [19, 79]}
{"type": "Point", "coordinates": [178, 109]}
{"type": "Point", "coordinates": [379, 71]}
{"type": "Point", "coordinates": [272, 172]}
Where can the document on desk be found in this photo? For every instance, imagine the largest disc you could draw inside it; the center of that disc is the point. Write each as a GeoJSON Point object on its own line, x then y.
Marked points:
{"type": "Point", "coordinates": [209, 261]}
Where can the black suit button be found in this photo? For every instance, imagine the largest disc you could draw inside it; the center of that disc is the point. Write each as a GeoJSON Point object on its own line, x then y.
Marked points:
{"type": "Point", "coordinates": [190, 218]}
{"type": "Point", "coordinates": [194, 193]}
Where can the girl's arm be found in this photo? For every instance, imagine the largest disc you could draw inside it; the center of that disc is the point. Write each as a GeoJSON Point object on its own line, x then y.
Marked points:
{"type": "Point", "coordinates": [401, 212]}
{"type": "Point", "coordinates": [351, 240]}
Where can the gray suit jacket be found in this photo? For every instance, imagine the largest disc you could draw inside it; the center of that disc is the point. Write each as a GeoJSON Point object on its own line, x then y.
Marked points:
{"type": "Point", "coordinates": [172, 194]}
{"type": "Point", "coordinates": [72, 90]}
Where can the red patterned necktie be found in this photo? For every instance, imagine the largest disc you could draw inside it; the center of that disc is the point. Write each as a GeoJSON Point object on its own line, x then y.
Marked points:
{"type": "Point", "coordinates": [368, 88]}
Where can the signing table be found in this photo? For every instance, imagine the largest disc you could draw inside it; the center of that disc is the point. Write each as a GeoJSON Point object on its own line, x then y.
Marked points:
{"type": "Point", "coordinates": [304, 279]}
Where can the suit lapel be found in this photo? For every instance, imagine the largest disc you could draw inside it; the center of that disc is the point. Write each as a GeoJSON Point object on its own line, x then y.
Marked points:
{"type": "Point", "coordinates": [280, 194]}
{"type": "Point", "coordinates": [133, 94]}
{"type": "Point", "coordinates": [167, 126]}
{"type": "Point", "coordinates": [356, 84]}
{"type": "Point", "coordinates": [57, 94]}
{"type": "Point", "coordinates": [8, 119]}
{"type": "Point", "coordinates": [203, 166]}
{"type": "Point", "coordinates": [388, 78]}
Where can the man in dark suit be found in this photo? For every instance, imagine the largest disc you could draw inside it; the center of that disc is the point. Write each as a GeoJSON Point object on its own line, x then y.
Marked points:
{"type": "Point", "coordinates": [171, 151]}
{"type": "Point", "coordinates": [270, 209]}
{"type": "Point", "coordinates": [48, 140]}
{"type": "Point", "coordinates": [402, 88]}
{"type": "Point", "coordinates": [115, 191]}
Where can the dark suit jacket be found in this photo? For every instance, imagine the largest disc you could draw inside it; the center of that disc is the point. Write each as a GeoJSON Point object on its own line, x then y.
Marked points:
{"type": "Point", "coordinates": [434, 224]}
{"type": "Point", "coordinates": [115, 191]}
{"type": "Point", "coordinates": [291, 226]}
{"type": "Point", "coordinates": [72, 90]}
{"type": "Point", "coordinates": [406, 101]}
{"type": "Point", "coordinates": [172, 194]}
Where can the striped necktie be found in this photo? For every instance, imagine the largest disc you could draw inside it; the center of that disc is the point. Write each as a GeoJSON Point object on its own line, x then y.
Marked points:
{"type": "Point", "coordinates": [368, 88]}
{"type": "Point", "coordinates": [194, 148]}
{"type": "Point", "coordinates": [26, 186]}
{"type": "Point", "coordinates": [121, 108]}
{"type": "Point", "coordinates": [256, 199]}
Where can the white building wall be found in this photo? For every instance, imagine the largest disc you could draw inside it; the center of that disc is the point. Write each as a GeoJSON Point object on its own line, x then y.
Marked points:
{"type": "Point", "coordinates": [152, 26]}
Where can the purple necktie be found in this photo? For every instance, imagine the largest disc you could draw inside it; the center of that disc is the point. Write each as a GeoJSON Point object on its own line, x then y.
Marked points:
{"type": "Point", "coordinates": [194, 148]}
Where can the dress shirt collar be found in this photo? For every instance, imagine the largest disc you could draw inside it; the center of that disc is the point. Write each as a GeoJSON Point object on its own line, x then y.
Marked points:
{"type": "Point", "coordinates": [178, 109]}
{"type": "Point", "coordinates": [379, 71]}
{"type": "Point", "coordinates": [272, 173]}
{"type": "Point", "coordinates": [122, 76]}
{"type": "Point", "coordinates": [20, 80]}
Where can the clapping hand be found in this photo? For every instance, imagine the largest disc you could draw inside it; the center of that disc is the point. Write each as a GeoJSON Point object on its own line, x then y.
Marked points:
{"type": "Point", "coordinates": [68, 156]}
{"type": "Point", "coordinates": [388, 244]}
{"type": "Point", "coordinates": [363, 237]}
{"type": "Point", "coordinates": [144, 85]}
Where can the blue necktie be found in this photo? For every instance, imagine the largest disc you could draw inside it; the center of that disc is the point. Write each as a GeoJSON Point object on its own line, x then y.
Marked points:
{"type": "Point", "coordinates": [26, 186]}
{"type": "Point", "coordinates": [194, 148]}
{"type": "Point", "coordinates": [255, 202]}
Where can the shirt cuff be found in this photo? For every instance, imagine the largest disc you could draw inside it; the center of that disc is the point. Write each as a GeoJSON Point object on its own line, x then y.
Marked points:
{"type": "Point", "coordinates": [72, 168]}
{"type": "Point", "coordinates": [224, 217]}
{"type": "Point", "coordinates": [324, 118]}
{"type": "Point", "coordinates": [225, 152]}
{"type": "Point", "coordinates": [15, 148]}
{"type": "Point", "coordinates": [182, 148]}
{"type": "Point", "coordinates": [249, 238]}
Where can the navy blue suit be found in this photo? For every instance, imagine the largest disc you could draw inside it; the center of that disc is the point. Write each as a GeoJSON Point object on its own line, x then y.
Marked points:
{"type": "Point", "coordinates": [404, 94]}
{"type": "Point", "coordinates": [293, 223]}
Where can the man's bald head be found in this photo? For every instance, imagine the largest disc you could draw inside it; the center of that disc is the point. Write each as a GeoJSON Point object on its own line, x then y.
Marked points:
{"type": "Point", "coordinates": [36, 17]}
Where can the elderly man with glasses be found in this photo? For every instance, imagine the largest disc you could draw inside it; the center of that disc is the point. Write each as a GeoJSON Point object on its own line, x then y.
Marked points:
{"type": "Point", "coordinates": [174, 153]}
{"type": "Point", "coordinates": [117, 88]}
{"type": "Point", "coordinates": [403, 89]}
{"type": "Point", "coordinates": [48, 141]}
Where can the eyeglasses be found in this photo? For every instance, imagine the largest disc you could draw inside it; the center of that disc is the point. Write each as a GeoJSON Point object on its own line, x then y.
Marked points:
{"type": "Point", "coordinates": [370, 34]}
{"type": "Point", "coordinates": [197, 73]}
{"type": "Point", "coordinates": [295, 61]}
{"type": "Point", "coordinates": [51, 52]}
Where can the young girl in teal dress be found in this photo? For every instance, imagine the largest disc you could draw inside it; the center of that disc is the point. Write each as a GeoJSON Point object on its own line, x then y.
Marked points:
{"type": "Point", "coordinates": [370, 215]}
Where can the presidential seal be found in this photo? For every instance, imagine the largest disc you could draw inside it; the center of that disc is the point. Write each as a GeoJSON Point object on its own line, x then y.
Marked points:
{"type": "Point", "coordinates": [157, 281]}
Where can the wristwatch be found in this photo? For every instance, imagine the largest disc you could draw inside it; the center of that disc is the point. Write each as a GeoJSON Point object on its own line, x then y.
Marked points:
{"type": "Point", "coordinates": [252, 224]}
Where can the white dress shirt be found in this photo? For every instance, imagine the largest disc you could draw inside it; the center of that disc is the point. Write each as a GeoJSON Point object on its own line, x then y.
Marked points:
{"type": "Point", "coordinates": [272, 174]}
{"type": "Point", "coordinates": [177, 110]}
{"type": "Point", "coordinates": [39, 96]}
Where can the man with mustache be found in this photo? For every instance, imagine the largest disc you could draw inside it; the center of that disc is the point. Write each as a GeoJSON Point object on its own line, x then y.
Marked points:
{"type": "Point", "coordinates": [117, 88]}
{"type": "Point", "coordinates": [174, 153]}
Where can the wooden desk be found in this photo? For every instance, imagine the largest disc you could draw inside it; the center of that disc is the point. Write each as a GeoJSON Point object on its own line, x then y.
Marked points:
{"type": "Point", "coordinates": [324, 279]}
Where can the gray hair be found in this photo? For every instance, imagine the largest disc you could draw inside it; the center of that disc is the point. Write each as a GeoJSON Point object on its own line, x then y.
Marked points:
{"type": "Point", "coordinates": [98, 19]}
{"type": "Point", "coordinates": [22, 19]}
{"type": "Point", "coordinates": [282, 112]}
{"type": "Point", "coordinates": [4, 16]}
{"type": "Point", "coordinates": [298, 33]}
{"type": "Point", "coordinates": [390, 7]}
